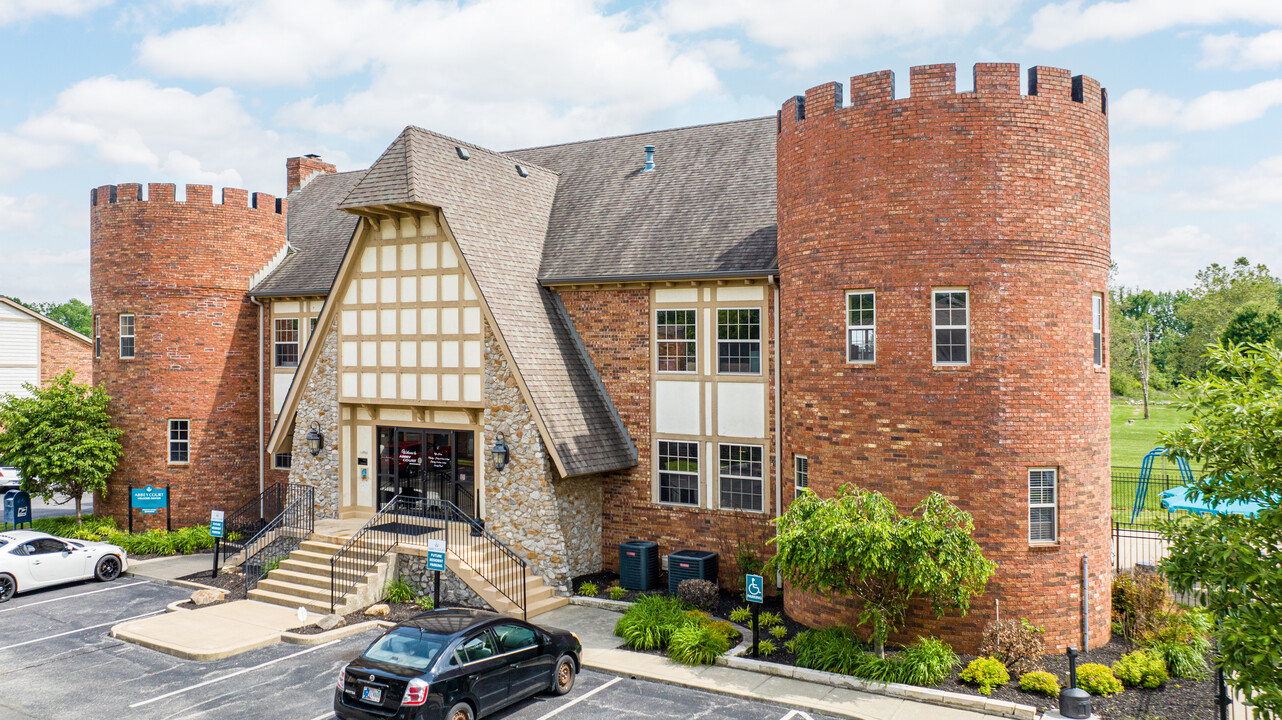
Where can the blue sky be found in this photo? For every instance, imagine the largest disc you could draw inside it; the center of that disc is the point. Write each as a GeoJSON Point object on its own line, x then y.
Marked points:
{"type": "Point", "coordinates": [219, 92]}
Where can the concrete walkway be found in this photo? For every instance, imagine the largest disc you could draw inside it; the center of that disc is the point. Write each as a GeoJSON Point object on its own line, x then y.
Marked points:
{"type": "Point", "coordinates": [172, 567]}
{"type": "Point", "coordinates": [214, 632]}
{"type": "Point", "coordinates": [595, 629]}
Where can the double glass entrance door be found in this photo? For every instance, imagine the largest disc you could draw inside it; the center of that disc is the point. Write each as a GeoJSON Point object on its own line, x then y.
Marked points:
{"type": "Point", "coordinates": [427, 464]}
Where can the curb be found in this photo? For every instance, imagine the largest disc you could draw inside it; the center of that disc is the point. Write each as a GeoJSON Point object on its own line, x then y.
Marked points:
{"type": "Point", "coordinates": [294, 638]}
{"type": "Point", "coordinates": [600, 603]}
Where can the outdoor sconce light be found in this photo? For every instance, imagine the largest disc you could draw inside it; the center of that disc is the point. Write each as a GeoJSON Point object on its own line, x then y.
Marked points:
{"type": "Point", "coordinates": [499, 453]}
{"type": "Point", "coordinates": [315, 440]}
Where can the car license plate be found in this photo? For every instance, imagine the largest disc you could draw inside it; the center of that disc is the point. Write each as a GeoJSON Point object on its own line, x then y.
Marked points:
{"type": "Point", "coordinates": [372, 694]}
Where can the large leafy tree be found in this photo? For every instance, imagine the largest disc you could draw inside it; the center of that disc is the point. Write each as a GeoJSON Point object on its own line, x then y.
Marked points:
{"type": "Point", "coordinates": [73, 314]}
{"type": "Point", "coordinates": [1252, 324]}
{"type": "Point", "coordinates": [1220, 291]}
{"type": "Point", "coordinates": [60, 438]}
{"type": "Point", "coordinates": [858, 544]}
{"type": "Point", "coordinates": [1236, 433]}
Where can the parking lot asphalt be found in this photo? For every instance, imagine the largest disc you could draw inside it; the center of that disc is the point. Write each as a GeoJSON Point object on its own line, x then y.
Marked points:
{"type": "Point", "coordinates": [57, 661]}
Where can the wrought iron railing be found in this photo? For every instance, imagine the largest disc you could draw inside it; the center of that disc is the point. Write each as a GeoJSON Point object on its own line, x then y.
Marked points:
{"type": "Point", "coordinates": [244, 523]}
{"type": "Point", "coordinates": [279, 537]}
{"type": "Point", "coordinates": [414, 520]}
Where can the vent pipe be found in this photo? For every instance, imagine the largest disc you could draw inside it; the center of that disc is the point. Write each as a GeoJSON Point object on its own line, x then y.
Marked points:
{"type": "Point", "coordinates": [649, 158]}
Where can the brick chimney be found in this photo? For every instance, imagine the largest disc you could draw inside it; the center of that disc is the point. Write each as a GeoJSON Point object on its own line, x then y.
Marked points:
{"type": "Point", "coordinates": [300, 170]}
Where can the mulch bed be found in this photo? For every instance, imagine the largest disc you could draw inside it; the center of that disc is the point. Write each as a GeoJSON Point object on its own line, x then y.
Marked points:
{"type": "Point", "coordinates": [228, 579]}
{"type": "Point", "coordinates": [1179, 699]}
{"type": "Point", "coordinates": [400, 612]}
{"type": "Point", "coordinates": [133, 557]}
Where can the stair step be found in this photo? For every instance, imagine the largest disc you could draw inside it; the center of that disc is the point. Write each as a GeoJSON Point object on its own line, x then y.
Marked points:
{"type": "Point", "coordinates": [317, 558]}
{"type": "Point", "coordinates": [311, 568]}
{"type": "Point", "coordinates": [290, 601]}
{"type": "Point", "coordinates": [302, 592]}
{"type": "Point", "coordinates": [545, 605]}
{"type": "Point", "coordinates": [320, 546]}
{"type": "Point", "coordinates": [319, 582]}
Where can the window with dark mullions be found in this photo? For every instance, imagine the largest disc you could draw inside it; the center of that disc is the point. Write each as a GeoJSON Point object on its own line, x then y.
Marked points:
{"type": "Point", "coordinates": [127, 336]}
{"type": "Point", "coordinates": [1097, 327]}
{"type": "Point", "coordinates": [1042, 505]}
{"type": "Point", "coordinates": [739, 341]}
{"type": "Point", "coordinates": [179, 441]}
{"type": "Point", "coordinates": [282, 461]}
{"type": "Point", "coordinates": [679, 472]}
{"type": "Point", "coordinates": [800, 473]}
{"type": "Point", "coordinates": [287, 342]}
{"type": "Point", "coordinates": [740, 477]}
{"type": "Point", "coordinates": [861, 327]}
{"type": "Point", "coordinates": [952, 328]}
{"type": "Point", "coordinates": [675, 333]}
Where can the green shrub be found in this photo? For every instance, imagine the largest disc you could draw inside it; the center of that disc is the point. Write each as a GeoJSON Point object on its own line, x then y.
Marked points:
{"type": "Point", "coordinates": [928, 661]}
{"type": "Point", "coordinates": [747, 556]}
{"type": "Point", "coordinates": [1142, 668]}
{"type": "Point", "coordinates": [779, 632]}
{"type": "Point", "coordinates": [588, 589]}
{"type": "Point", "coordinates": [833, 649]}
{"type": "Point", "coordinates": [987, 673]}
{"type": "Point", "coordinates": [650, 621]}
{"type": "Point", "coordinates": [1039, 682]}
{"type": "Point", "coordinates": [425, 602]}
{"type": "Point", "coordinates": [699, 593]}
{"type": "Point", "coordinates": [1098, 679]}
{"type": "Point", "coordinates": [399, 592]}
{"type": "Point", "coordinates": [1140, 603]}
{"type": "Point", "coordinates": [696, 644]}
{"type": "Point", "coordinates": [769, 619]}
{"type": "Point", "coordinates": [791, 645]}
{"type": "Point", "coordinates": [1183, 639]}
{"type": "Point", "coordinates": [1182, 660]}
{"type": "Point", "coordinates": [741, 615]}
{"type": "Point", "coordinates": [765, 648]}
{"type": "Point", "coordinates": [724, 628]}
{"type": "Point", "coordinates": [617, 592]}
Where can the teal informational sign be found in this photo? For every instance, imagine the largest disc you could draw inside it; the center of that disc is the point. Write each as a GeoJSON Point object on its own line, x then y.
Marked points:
{"type": "Point", "coordinates": [435, 554]}
{"type": "Point", "coordinates": [149, 500]}
{"type": "Point", "coordinates": [756, 589]}
{"type": "Point", "coordinates": [216, 523]}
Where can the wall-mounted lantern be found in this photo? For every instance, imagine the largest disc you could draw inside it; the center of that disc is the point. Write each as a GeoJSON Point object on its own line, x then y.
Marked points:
{"type": "Point", "coordinates": [315, 440]}
{"type": "Point", "coordinates": [500, 453]}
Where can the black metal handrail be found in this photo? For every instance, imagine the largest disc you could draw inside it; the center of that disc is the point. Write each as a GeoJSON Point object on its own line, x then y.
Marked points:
{"type": "Point", "coordinates": [411, 519]}
{"type": "Point", "coordinates": [245, 522]}
{"type": "Point", "coordinates": [279, 537]}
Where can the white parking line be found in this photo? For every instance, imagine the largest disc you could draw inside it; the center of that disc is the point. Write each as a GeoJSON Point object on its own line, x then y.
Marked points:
{"type": "Point", "coordinates": [326, 716]}
{"type": "Point", "coordinates": [796, 714]}
{"type": "Point", "coordinates": [73, 632]}
{"type": "Point", "coordinates": [68, 597]}
{"type": "Point", "coordinates": [580, 699]}
{"type": "Point", "coordinates": [238, 673]}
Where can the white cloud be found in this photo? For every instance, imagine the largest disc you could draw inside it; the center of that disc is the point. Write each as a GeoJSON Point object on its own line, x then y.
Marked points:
{"type": "Point", "coordinates": [1233, 189]}
{"type": "Point", "coordinates": [1127, 156]}
{"type": "Point", "coordinates": [20, 155]}
{"type": "Point", "coordinates": [14, 11]}
{"type": "Point", "coordinates": [21, 214]}
{"type": "Point", "coordinates": [1142, 108]}
{"type": "Point", "coordinates": [810, 32]}
{"type": "Point", "coordinates": [1242, 53]}
{"type": "Point", "coordinates": [1168, 257]}
{"type": "Point", "coordinates": [1062, 24]}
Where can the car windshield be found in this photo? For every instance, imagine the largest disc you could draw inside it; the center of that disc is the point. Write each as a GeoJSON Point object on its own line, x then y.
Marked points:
{"type": "Point", "coordinates": [408, 647]}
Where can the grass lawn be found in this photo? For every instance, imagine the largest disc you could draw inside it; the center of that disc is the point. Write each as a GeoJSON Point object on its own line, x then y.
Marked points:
{"type": "Point", "coordinates": [1132, 442]}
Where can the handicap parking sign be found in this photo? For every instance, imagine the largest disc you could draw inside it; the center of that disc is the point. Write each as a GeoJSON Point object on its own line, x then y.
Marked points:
{"type": "Point", "coordinates": [756, 589]}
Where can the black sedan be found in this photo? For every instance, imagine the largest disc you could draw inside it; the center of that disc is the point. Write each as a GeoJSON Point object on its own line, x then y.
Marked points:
{"type": "Point", "coordinates": [455, 664]}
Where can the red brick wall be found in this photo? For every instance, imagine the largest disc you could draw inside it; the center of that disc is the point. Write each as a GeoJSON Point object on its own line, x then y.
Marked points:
{"type": "Point", "coordinates": [60, 352]}
{"type": "Point", "coordinates": [298, 170]}
{"type": "Point", "coordinates": [1007, 195]}
{"type": "Point", "coordinates": [615, 328]}
{"type": "Point", "coordinates": [183, 269]}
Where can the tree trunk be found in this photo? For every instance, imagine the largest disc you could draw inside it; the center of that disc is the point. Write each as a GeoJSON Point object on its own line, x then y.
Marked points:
{"type": "Point", "coordinates": [79, 499]}
{"type": "Point", "coordinates": [1145, 359]}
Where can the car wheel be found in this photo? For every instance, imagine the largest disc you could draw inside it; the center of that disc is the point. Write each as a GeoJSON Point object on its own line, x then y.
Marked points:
{"type": "Point", "coordinates": [563, 675]}
{"type": "Point", "coordinates": [108, 568]}
{"type": "Point", "coordinates": [8, 586]}
{"type": "Point", "coordinates": [461, 711]}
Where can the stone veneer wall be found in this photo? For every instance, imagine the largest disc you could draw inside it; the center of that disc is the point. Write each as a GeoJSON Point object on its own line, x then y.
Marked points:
{"type": "Point", "coordinates": [412, 570]}
{"type": "Point", "coordinates": [555, 523]}
{"type": "Point", "coordinates": [319, 403]}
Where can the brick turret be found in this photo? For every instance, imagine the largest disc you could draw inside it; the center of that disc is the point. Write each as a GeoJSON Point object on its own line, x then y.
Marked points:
{"type": "Point", "coordinates": [1004, 195]}
{"type": "Point", "coordinates": [182, 269]}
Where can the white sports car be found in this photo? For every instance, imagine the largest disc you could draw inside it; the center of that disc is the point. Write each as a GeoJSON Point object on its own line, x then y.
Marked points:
{"type": "Point", "coordinates": [30, 560]}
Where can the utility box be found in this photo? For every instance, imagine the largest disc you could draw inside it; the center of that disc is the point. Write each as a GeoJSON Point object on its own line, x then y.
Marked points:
{"type": "Point", "coordinates": [638, 564]}
{"type": "Point", "coordinates": [17, 508]}
{"type": "Point", "coordinates": [691, 565]}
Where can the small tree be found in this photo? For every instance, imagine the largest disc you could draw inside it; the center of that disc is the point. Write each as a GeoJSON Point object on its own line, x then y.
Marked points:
{"type": "Point", "coordinates": [60, 438]}
{"type": "Point", "coordinates": [1236, 432]}
{"type": "Point", "coordinates": [858, 544]}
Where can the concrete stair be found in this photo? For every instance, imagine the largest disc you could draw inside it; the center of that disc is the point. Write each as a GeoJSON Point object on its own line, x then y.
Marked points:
{"type": "Point", "coordinates": [539, 597]}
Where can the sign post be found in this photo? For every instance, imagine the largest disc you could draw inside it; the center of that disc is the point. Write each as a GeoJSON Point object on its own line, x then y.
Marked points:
{"type": "Point", "coordinates": [436, 561]}
{"type": "Point", "coordinates": [148, 501]}
{"type": "Point", "coordinates": [755, 589]}
{"type": "Point", "coordinates": [216, 531]}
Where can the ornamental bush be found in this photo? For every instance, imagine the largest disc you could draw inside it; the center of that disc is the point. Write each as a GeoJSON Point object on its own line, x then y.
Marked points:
{"type": "Point", "coordinates": [765, 648]}
{"type": "Point", "coordinates": [741, 615]}
{"type": "Point", "coordinates": [1142, 668]}
{"type": "Point", "coordinates": [987, 673]}
{"type": "Point", "coordinates": [769, 619]}
{"type": "Point", "coordinates": [832, 649]}
{"type": "Point", "coordinates": [1183, 639]}
{"type": "Point", "coordinates": [699, 593]}
{"type": "Point", "coordinates": [1017, 643]}
{"type": "Point", "coordinates": [1039, 682]}
{"type": "Point", "coordinates": [928, 661]}
{"type": "Point", "coordinates": [1098, 679]}
{"type": "Point", "coordinates": [398, 592]}
{"type": "Point", "coordinates": [588, 589]}
{"type": "Point", "coordinates": [617, 592]}
{"type": "Point", "coordinates": [779, 632]}
{"type": "Point", "coordinates": [650, 621]}
{"type": "Point", "coordinates": [696, 644]}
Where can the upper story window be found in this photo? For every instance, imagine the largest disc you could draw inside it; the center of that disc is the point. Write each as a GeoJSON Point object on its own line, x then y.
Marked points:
{"type": "Point", "coordinates": [800, 473]}
{"type": "Point", "coordinates": [861, 327]}
{"type": "Point", "coordinates": [179, 441]}
{"type": "Point", "coordinates": [1097, 327]}
{"type": "Point", "coordinates": [675, 333]}
{"type": "Point", "coordinates": [952, 327]}
{"type": "Point", "coordinates": [311, 326]}
{"type": "Point", "coordinates": [286, 342]}
{"type": "Point", "coordinates": [740, 476]}
{"type": "Point", "coordinates": [679, 472]}
{"type": "Point", "coordinates": [739, 341]}
{"type": "Point", "coordinates": [126, 337]}
{"type": "Point", "coordinates": [97, 338]}
{"type": "Point", "coordinates": [1042, 491]}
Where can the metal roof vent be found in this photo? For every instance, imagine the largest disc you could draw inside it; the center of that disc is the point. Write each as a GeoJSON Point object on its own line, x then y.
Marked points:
{"type": "Point", "coordinates": [649, 158]}
{"type": "Point", "coordinates": [520, 170]}
{"type": "Point", "coordinates": [462, 152]}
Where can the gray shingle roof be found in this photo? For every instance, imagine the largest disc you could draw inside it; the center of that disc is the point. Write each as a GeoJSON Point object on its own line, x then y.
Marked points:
{"type": "Point", "coordinates": [499, 220]}
{"type": "Point", "coordinates": [319, 232]}
{"type": "Point", "coordinates": [708, 208]}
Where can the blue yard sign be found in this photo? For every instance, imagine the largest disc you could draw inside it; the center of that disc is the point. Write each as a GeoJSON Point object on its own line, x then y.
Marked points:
{"type": "Point", "coordinates": [216, 523]}
{"type": "Point", "coordinates": [149, 500]}
{"type": "Point", "coordinates": [436, 554]}
{"type": "Point", "coordinates": [756, 589]}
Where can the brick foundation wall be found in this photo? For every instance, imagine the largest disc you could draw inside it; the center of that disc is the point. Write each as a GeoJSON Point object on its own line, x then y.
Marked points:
{"type": "Point", "coordinates": [60, 352]}
{"type": "Point", "coordinates": [183, 269]}
{"type": "Point", "coordinates": [1006, 195]}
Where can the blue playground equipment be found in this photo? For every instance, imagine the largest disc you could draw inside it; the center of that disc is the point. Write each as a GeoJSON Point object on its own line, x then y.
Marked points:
{"type": "Point", "coordinates": [1179, 499]}
{"type": "Point", "coordinates": [1146, 469]}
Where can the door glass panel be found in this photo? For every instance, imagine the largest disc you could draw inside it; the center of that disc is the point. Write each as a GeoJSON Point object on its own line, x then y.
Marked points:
{"type": "Point", "coordinates": [409, 462]}
{"type": "Point", "coordinates": [465, 493]}
{"type": "Point", "coordinates": [386, 465]}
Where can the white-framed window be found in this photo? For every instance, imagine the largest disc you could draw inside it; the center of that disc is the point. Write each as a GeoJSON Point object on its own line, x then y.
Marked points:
{"type": "Point", "coordinates": [1097, 327]}
{"type": "Point", "coordinates": [179, 442]}
{"type": "Point", "coordinates": [678, 472]}
{"type": "Point", "coordinates": [861, 326]}
{"type": "Point", "coordinates": [739, 477]}
{"type": "Point", "coordinates": [286, 339]}
{"type": "Point", "coordinates": [800, 473]}
{"type": "Point", "coordinates": [97, 338]}
{"type": "Point", "coordinates": [676, 337]}
{"type": "Point", "coordinates": [1043, 494]}
{"type": "Point", "coordinates": [951, 316]}
{"type": "Point", "coordinates": [127, 336]}
{"type": "Point", "coordinates": [311, 326]}
{"type": "Point", "coordinates": [282, 461]}
{"type": "Point", "coordinates": [739, 341]}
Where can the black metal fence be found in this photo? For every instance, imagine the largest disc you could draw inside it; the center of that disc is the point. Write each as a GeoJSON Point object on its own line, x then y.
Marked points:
{"type": "Point", "coordinates": [246, 521]}
{"type": "Point", "coordinates": [1139, 503]}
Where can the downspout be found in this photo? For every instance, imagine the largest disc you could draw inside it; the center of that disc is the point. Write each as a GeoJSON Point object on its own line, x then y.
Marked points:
{"type": "Point", "coordinates": [778, 410]}
{"type": "Point", "coordinates": [261, 449]}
